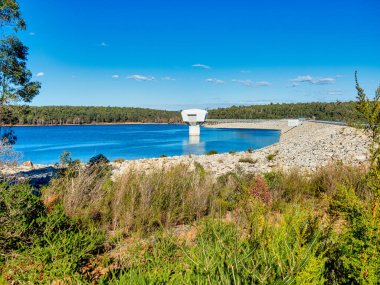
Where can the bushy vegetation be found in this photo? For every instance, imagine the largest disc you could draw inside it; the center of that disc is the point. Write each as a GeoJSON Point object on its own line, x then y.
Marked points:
{"type": "Point", "coordinates": [57, 115]}
{"type": "Point", "coordinates": [41, 245]}
{"type": "Point", "coordinates": [179, 224]}
{"type": "Point", "coordinates": [333, 111]}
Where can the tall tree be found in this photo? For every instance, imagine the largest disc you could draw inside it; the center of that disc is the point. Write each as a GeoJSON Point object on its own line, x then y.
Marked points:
{"type": "Point", "coordinates": [16, 85]}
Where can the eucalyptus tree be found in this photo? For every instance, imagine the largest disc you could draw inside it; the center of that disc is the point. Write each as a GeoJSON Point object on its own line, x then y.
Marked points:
{"type": "Point", "coordinates": [16, 85]}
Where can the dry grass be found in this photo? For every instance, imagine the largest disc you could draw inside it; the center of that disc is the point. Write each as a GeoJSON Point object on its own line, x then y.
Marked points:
{"type": "Point", "coordinates": [136, 201]}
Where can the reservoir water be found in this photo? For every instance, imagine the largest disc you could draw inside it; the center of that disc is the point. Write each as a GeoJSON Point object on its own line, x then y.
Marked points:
{"type": "Point", "coordinates": [45, 144]}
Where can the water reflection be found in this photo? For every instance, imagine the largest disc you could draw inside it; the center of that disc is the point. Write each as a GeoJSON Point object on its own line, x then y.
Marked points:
{"type": "Point", "coordinates": [194, 139]}
{"type": "Point", "coordinates": [193, 145]}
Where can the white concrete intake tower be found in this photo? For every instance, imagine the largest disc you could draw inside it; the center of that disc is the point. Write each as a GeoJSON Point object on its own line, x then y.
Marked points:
{"type": "Point", "coordinates": [194, 118]}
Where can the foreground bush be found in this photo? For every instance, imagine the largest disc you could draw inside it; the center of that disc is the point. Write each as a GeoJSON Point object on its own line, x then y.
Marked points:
{"type": "Point", "coordinates": [223, 253]}
{"type": "Point", "coordinates": [137, 201]}
{"type": "Point", "coordinates": [181, 225]}
{"type": "Point", "coordinates": [37, 246]}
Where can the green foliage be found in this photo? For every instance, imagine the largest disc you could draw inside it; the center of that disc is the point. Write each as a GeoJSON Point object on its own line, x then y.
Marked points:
{"type": "Point", "coordinates": [335, 111]}
{"type": "Point", "coordinates": [355, 257]}
{"type": "Point", "coordinates": [19, 210]}
{"type": "Point", "coordinates": [247, 160]}
{"type": "Point", "coordinates": [58, 115]}
{"type": "Point", "coordinates": [37, 246]}
{"type": "Point", "coordinates": [180, 225]}
{"type": "Point", "coordinates": [370, 109]}
{"type": "Point", "coordinates": [269, 254]}
{"type": "Point", "coordinates": [65, 158]}
{"type": "Point", "coordinates": [211, 152]}
{"type": "Point", "coordinates": [10, 15]}
{"type": "Point", "coordinates": [98, 159]}
{"type": "Point", "coordinates": [271, 156]}
{"type": "Point", "coordinates": [58, 253]}
{"type": "Point", "coordinates": [15, 79]}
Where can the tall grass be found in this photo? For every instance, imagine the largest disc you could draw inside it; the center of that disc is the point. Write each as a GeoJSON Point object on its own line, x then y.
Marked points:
{"type": "Point", "coordinates": [137, 201]}
{"type": "Point", "coordinates": [180, 225]}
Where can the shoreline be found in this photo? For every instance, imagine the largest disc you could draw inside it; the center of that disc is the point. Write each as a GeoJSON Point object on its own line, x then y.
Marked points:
{"type": "Point", "coordinates": [92, 124]}
{"type": "Point", "coordinates": [305, 147]}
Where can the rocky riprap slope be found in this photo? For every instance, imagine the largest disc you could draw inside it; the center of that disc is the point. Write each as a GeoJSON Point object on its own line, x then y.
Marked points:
{"type": "Point", "coordinates": [306, 147]}
{"type": "Point", "coordinates": [36, 175]}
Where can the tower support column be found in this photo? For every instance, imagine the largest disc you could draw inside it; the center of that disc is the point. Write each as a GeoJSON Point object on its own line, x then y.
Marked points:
{"type": "Point", "coordinates": [194, 130]}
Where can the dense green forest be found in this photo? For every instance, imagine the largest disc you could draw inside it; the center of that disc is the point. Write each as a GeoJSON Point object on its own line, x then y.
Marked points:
{"type": "Point", "coordinates": [336, 111]}
{"type": "Point", "coordinates": [57, 115]}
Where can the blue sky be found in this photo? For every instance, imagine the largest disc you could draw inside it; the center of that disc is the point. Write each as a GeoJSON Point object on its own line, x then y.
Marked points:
{"type": "Point", "coordinates": [197, 53]}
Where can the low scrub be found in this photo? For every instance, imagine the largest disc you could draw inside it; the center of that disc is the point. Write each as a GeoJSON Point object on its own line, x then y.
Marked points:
{"type": "Point", "coordinates": [39, 246]}
{"type": "Point", "coordinates": [247, 160]}
{"type": "Point", "coordinates": [181, 225]}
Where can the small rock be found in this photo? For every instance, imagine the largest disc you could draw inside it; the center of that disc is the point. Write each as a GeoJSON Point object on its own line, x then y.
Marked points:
{"type": "Point", "coordinates": [27, 163]}
{"type": "Point", "coordinates": [361, 158]}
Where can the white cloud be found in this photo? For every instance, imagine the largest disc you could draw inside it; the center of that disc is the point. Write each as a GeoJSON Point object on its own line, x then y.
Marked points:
{"type": "Point", "coordinates": [40, 74]}
{"type": "Point", "coordinates": [103, 44]}
{"type": "Point", "coordinates": [201, 66]}
{"type": "Point", "coordinates": [323, 81]}
{"type": "Point", "coordinates": [335, 92]}
{"type": "Point", "coordinates": [263, 83]}
{"type": "Point", "coordinates": [302, 78]}
{"type": "Point", "coordinates": [310, 79]}
{"type": "Point", "coordinates": [115, 76]}
{"type": "Point", "coordinates": [32, 34]}
{"type": "Point", "coordinates": [250, 83]}
{"type": "Point", "coordinates": [294, 84]}
{"type": "Point", "coordinates": [138, 77]}
{"type": "Point", "coordinates": [168, 78]}
{"type": "Point", "coordinates": [215, 80]}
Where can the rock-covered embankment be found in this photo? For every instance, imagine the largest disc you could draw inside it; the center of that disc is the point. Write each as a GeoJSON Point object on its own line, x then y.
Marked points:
{"type": "Point", "coordinates": [306, 147]}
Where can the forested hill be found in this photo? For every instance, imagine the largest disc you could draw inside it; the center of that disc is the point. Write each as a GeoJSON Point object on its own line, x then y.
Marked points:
{"type": "Point", "coordinates": [56, 115]}
{"type": "Point", "coordinates": [59, 115]}
{"type": "Point", "coordinates": [336, 111]}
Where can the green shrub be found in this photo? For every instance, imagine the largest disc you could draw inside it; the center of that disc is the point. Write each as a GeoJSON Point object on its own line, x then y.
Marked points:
{"type": "Point", "coordinates": [271, 156]}
{"type": "Point", "coordinates": [65, 158]}
{"type": "Point", "coordinates": [211, 152]}
{"type": "Point", "coordinates": [99, 159]}
{"type": "Point", "coordinates": [57, 253]}
{"type": "Point", "coordinates": [37, 246]}
{"type": "Point", "coordinates": [247, 160]}
{"type": "Point", "coordinates": [354, 257]}
{"type": "Point", "coordinates": [20, 208]}
{"type": "Point", "coordinates": [221, 254]}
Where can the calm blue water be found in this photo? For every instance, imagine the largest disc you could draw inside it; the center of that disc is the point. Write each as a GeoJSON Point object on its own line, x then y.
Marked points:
{"type": "Point", "coordinates": [45, 144]}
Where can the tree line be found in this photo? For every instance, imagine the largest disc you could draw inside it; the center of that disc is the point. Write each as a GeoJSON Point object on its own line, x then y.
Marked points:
{"type": "Point", "coordinates": [335, 111]}
{"type": "Point", "coordinates": [66, 115]}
